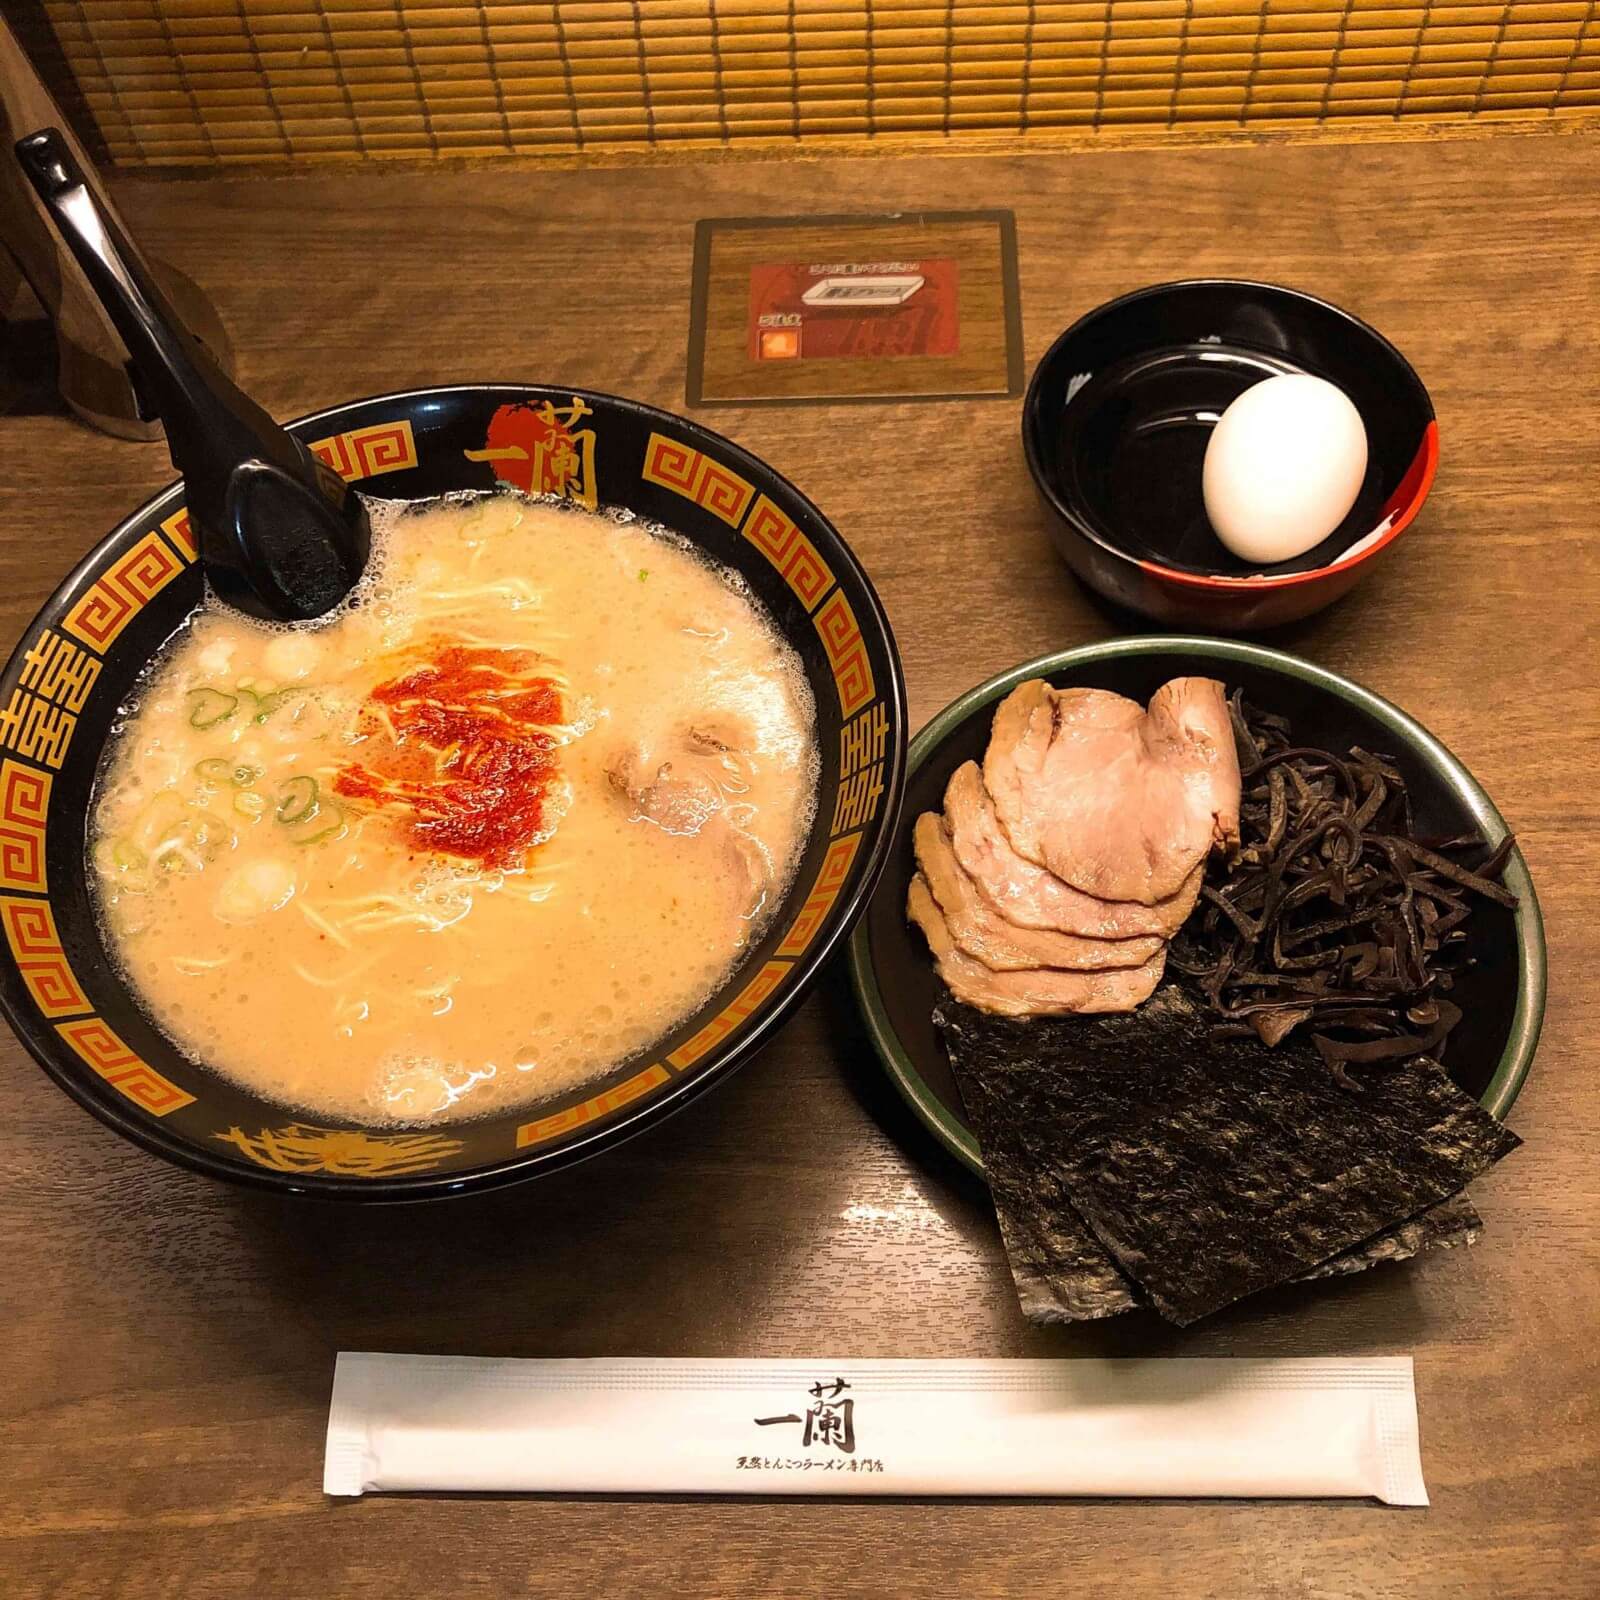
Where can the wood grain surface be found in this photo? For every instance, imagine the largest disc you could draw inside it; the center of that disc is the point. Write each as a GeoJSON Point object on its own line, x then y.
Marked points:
{"type": "Point", "coordinates": [166, 1344]}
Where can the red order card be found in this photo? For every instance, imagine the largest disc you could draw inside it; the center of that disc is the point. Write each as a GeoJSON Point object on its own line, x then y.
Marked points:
{"type": "Point", "coordinates": [815, 310]}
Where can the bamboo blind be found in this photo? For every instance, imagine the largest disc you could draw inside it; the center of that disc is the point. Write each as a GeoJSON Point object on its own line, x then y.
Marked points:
{"type": "Point", "coordinates": [265, 80]}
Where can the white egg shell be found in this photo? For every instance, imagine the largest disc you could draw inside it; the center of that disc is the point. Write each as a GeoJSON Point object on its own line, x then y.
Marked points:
{"type": "Point", "coordinates": [1283, 467]}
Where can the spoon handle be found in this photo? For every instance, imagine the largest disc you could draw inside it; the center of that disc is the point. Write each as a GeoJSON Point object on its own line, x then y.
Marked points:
{"type": "Point", "coordinates": [175, 367]}
{"type": "Point", "coordinates": [281, 536]}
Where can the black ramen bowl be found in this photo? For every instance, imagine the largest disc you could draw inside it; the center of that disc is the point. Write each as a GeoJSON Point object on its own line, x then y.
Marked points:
{"type": "Point", "coordinates": [80, 657]}
{"type": "Point", "coordinates": [1119, 414]}
{"type": "Point", "coordinates": [1502, 1006]}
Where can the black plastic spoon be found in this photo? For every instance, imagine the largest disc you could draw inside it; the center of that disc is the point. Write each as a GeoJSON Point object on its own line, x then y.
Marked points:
{"type": "Point", "coordinates": [280, 535]}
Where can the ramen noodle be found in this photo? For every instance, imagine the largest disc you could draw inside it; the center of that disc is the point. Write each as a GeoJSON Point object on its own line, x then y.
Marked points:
{"type": "Point", "coordinates": [504, 820]}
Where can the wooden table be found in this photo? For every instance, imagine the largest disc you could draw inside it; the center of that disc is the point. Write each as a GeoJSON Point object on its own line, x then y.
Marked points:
{"type": "Point", "coordinates": [166, 1344]}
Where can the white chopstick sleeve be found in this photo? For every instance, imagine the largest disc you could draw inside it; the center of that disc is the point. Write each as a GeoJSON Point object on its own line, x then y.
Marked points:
{"type": "Point", "coordinates": [830, 1426]}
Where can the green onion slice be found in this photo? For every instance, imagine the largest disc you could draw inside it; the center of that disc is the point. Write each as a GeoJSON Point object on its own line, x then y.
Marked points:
{"type": "Point", "coordinates": [330, 824]}
{"type": "Point", "coordinates": [297, 799]}
{"type": "Point", "coordinates": [208, 707]}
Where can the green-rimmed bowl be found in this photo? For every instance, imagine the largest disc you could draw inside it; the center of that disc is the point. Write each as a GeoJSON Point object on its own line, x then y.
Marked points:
{"type": "Point", "coordinates": [895, 984]}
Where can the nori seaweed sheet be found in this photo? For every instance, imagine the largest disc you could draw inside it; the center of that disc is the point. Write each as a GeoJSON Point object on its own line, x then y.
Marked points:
{"type": "Point", "coordinates": [1204, 1169]}
{"type": "Point", "coordinates": [1452, 1222]}
{"type": "Point", "coordinates": [1061, 1271]}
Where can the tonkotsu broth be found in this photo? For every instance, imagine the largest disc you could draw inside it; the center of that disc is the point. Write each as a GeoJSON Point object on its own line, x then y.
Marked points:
{"type": "Point", "coordinates": [292, 929]}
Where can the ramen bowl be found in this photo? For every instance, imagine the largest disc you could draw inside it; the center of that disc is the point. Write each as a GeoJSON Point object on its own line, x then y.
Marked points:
{"type": "Point", "coordinates": [80, 658]}
{"type": "Point", "coordinates": [1120, 411]}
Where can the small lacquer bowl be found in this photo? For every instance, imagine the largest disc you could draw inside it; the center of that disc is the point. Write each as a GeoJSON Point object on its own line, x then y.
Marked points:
{"type": "Point", "coordinates": [1115, 428]}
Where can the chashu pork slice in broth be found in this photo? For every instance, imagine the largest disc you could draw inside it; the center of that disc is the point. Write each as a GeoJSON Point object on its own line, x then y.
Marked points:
{"type": "Point", "coordinates": [1039, 991]}
{"type": "Point", "coordinates": [1116, 800]}
{"type": "Point", "coordinates": [1027, 895]}
{"type": "Point", "coordinates": [978, 930]}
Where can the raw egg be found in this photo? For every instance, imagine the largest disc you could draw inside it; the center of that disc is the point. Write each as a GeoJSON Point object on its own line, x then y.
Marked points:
{"type": "Point", "coordinates": [1283, 467]}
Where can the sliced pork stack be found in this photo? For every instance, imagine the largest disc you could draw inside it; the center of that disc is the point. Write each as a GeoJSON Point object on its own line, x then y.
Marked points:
{"type": "Point", "coordinates": [1058, 871]}
{"type": "Point", "coordinates": [1032, 991]}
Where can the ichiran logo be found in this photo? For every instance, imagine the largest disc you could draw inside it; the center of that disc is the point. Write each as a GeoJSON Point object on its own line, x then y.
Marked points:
{"type": "Point", "coordinates": [828, 1420]}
